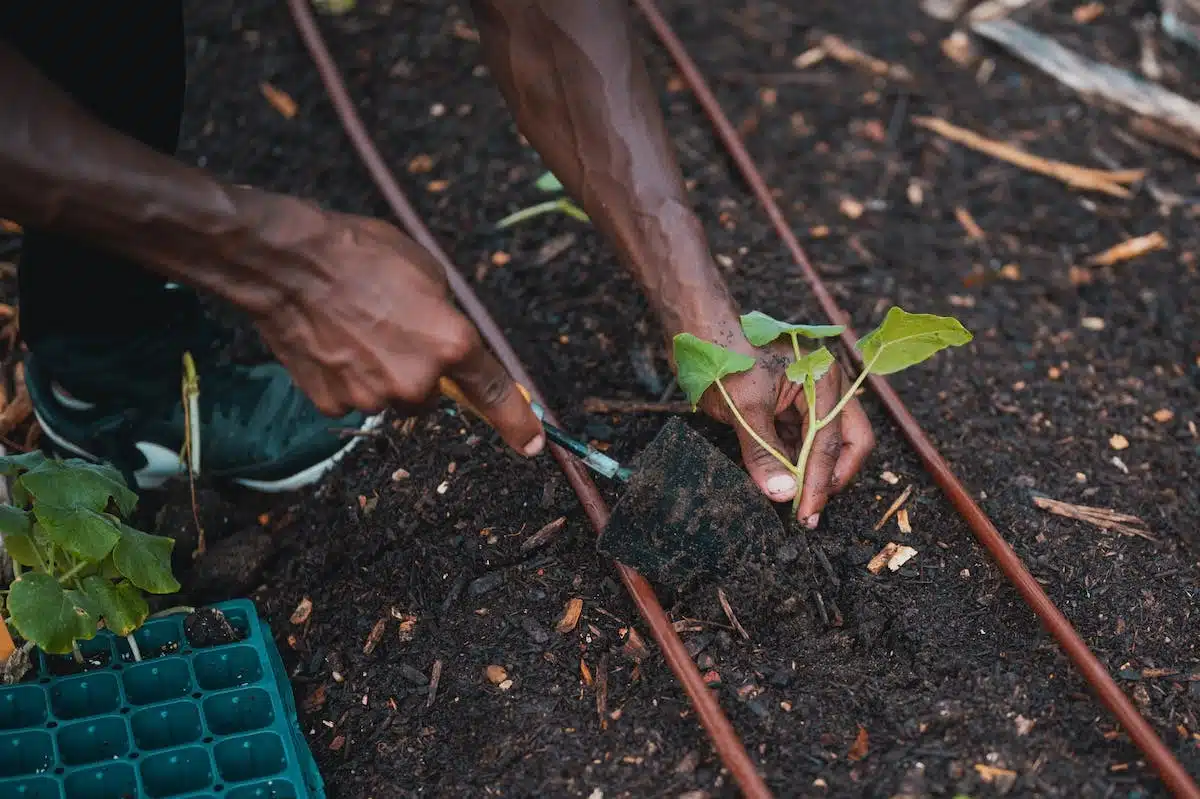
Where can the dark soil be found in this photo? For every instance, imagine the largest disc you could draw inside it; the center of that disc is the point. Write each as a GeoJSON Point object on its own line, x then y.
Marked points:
{"type": "Point", "coordinates": [940, 663]}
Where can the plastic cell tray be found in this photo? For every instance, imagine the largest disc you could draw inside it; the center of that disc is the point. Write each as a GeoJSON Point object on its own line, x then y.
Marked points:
{"type": "Point", "coordinates": [190, 722]}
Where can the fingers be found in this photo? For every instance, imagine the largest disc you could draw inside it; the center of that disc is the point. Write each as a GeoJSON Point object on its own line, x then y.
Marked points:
{"type": "Point", "coordinates": [492, 391]}
{"type": "Point", "coordinates": [818, 476]}
{"type": "Point", "coordinates": [858, 439]}
{"type": "Point", "coordinates": [772, 477]}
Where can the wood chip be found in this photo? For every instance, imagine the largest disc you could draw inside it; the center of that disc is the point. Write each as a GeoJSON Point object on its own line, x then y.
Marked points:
{"type": "Point", "coordinates": [837, 49]}
{"type": "Point", "coordinates": [902, 521]}
{"type": "Point", "coordinates": [408, 624]}
{"type": "Point", "coordinates": [500, 258]}
{"type": "Point", "coordinates": [860, 747]}
{"type": "Point", "coordinates": [420, 164]}
{"type": "Point", "coordinates": [972, 228]}
{"type": "Point", "coordinates": [545, 535]}
{"type": "Point", "coordinates": [810, 58]}
{"type": "Point", "coordinates": [302, 612]}
{"type": "Point", "coordinates": [876, 564]}
{"type": "Point", "coordinates": [570, 617]}
{"type": "Point", "coordinates": [585, 673]}
{"type": "Point", "coordinates": [1129, 249]}
{"type": "Point", "coordinates": [1164, 415]}
{"type": "Point", "coordinates": [1118, 442]}
{"type": "Point", "coordinates": [495, 674]}
{"type": "Point", "coordinates": [890, 478]}
{"type": "Point", "coordinates": [400, 474]}
{"type": "Point", "coordinates": [337, 743]}
{"type": "Point", "coordinates": [1101, 180]}
{"type": "Point", "coordinates": [1088, 12]}
{"type": "Point", "coordinates": [895, 506]}
{"type": "Point", "coordinates": [635, 648]}
{"type": "Point", "coordinates": [375, 636]}
{"type": "Point", "coordinates": [1094, 323]}
{"type": "Point", "coordinates": [1104, 518]}
{"type": "Point", "coordinates": [9, 226]}
{"type": "Point", "coordinates": [280, 100]}
{"type": "Point", "coordinates": [729, 614]}
{"type": "Point", "coordinates": [602, 691]}
{"type": "Point", "coordinates": [315, 700]}
{"type": "Point", "coordinates": [435, 677]}
{"type": "Point", "coordinates": [994, 774]}
{"type": "Point", "coordinates": [851, 208]}
{"type": "Point", "coordinates": [902, 555]}
{"type": "Point", "coordinates": [437, 186]}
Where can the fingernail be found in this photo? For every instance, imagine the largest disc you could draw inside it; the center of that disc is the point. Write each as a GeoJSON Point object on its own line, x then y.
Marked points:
{"type": "Point", "coordinates": [780, 484]}
{"type": "Point", "coordinates": [812, 521]}
{"type": "Point", "coordinates": [535, 446]}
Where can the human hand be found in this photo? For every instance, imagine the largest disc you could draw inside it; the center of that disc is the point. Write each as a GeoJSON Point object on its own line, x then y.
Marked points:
{"type": "Point", "coordinates": [367, 323]}
{"type": "Point", "coordinates": [777, 410]}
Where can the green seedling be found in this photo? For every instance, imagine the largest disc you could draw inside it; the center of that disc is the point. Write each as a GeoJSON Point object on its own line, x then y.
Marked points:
{"type": "Point", "coordinates": [76, 562]}
{"type": "Point", "coordinates": [901, 341]}
{"type": "Point", "coordinates": [561, 205]}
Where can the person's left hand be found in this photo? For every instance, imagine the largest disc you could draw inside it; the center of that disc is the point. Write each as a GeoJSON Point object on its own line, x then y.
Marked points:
{"type": "Point", "coordinates": [777, 410]}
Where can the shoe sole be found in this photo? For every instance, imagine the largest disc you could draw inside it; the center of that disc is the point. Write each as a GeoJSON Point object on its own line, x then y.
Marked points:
{"type": "Point", "coordinates": [163, 464]}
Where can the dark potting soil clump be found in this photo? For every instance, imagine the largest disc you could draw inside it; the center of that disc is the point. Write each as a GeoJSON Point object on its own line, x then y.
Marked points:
{"type": "Point", "coordinates": [689, 514]}
{"type": "Point", "coordinates": [206, 627]}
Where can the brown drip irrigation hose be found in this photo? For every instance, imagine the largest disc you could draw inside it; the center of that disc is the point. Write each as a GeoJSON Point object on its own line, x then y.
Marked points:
{"type": "Point", "coordinates": [1143, 735]}
{"type": "Point", "coordinates": [724, 738]}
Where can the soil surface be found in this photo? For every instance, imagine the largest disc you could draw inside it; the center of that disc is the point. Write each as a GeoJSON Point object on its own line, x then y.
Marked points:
{"type": "Point", "coordinates": [432, 662]}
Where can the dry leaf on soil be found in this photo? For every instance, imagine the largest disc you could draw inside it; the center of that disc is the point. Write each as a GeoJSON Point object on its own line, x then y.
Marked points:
{"type": "Point", "coordinates": [302, 611]}
{"type": "Point", "coordinates": [862, 743]}
{"type": "Point", "coordinates": [571, 614]}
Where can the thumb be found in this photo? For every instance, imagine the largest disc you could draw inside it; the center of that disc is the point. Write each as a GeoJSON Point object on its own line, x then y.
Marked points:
{"type": "Point", "coordinates": [772, 477]}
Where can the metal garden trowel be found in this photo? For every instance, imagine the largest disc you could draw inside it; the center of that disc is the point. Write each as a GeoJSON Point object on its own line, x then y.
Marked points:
{"type": "Point", "coordinates": [688, 512]}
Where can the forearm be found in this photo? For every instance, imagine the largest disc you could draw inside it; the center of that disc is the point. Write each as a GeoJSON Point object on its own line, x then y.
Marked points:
{"type": "Point", "coordinates": [62, 170]}
{"type": "Point", "coordinates": [583, 98]}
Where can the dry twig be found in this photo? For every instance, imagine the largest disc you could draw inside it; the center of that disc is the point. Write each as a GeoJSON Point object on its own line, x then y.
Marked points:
{"type": "Point", "coordinates": [895, 506]}
{"type": "Point", "coordinates": [837, 49]}
{"type": "Point", "coordinates": [1102, 180]}
{"type": "Point", "coordinates": [1104, 518]}
{"type": "Point", "coordinates": [601, 405]}
{"type": "Point", "coordinates": [1129, 249]}
{"type": "Point", "coordinates": [729, 614]}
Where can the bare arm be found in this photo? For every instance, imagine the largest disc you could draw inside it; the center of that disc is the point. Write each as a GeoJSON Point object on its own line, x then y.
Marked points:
{"type": "Point", "coordinates": [583, 98]}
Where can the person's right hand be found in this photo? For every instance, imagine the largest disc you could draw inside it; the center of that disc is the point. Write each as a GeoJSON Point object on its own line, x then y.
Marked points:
{"type": "Point", "coordinates": [366, 323]}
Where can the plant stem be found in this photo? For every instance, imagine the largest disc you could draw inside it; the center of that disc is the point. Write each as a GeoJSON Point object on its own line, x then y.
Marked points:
{"type": "Point", "coordinates": [73, 572]}
{"type": "Point", "coordinates": [757, 438]}
{"type": "Point", "coordinates": [849, 395]}
{"type": "Point", "coordinates": [810, 394]}
{"type": "Point", "coordinates": [548, 207]}
{"type": "Point", "coordinates": [134, 649]}
{"type": "Point", "coordinates": [796, 345]}
{"type": "Point", "coordinates": [171, 610]}
{"type": "Point", "coordinates": [78, 655]}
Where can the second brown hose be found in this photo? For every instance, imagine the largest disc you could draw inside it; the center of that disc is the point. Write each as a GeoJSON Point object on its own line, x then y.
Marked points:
{"type": "Point", "coordinates": [1169, 768]}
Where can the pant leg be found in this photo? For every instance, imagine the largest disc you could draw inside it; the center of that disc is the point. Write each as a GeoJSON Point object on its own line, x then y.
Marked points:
{"type": "Point", "coordinates": [125, 62]}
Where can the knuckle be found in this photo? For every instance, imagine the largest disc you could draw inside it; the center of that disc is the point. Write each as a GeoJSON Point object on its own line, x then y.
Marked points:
{"type": "Point", "coordinates": [458, 340]}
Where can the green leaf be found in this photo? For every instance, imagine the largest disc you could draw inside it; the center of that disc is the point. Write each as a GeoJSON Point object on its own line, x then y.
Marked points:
{"type": "Point", "coordinates": [121, 605]}
{"type": "Point", "coordinates": [761, 329]}
{"type": "Point", "coordinates": [905, 339]}
{"type": "Point", "coordinates": [14, 521]}
{"type": "Point", "coordinates": [81, 531]}
{"type": "Point", "coordinates": [701, 363]}
{"type": "Point", "coordinates": [21, 546]}
{"type": "Point", "coordinates": [76, 483]}
{"type": "Point", "coordinates": [815, 364]}
{"type": "Point", "coordinates": [49, 616]}
{"type": "Point", "coordinates": [549, 182]}
{"type": "Point", "coordinates": [12, 465]}
{"type": "Point", "coordinates": [146, 560]}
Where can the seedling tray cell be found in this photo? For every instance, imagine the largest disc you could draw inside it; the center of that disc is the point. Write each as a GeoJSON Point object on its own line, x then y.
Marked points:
{"type": "Point", "coordinates": [187, 722]}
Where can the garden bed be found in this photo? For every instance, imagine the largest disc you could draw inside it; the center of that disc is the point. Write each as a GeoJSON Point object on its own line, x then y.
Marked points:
{"type": "Point", "coordinates": [940, 663]}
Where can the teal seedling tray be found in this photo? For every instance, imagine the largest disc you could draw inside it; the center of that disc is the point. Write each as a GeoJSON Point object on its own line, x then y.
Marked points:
{"type": "Point", "coordinates": [190, 722]}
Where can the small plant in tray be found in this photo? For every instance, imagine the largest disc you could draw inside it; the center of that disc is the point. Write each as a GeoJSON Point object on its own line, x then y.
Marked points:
{"type": "Point", "coordinates": [76, 562]}
{"type": "Point", "coordinates": [902, 340]}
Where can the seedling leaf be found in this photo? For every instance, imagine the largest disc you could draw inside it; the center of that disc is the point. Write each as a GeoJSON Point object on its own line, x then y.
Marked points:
{"type": "Point", "coordinates": [76, 483]}
{"type": "Point", "coordinates": [14, 521]}
{"type": "Point", "coordinates": [549, 182]}
{"type": "Point", "coordinates": [701, 363]}
{"type": "Point", "coordinates": [815, 365]}
{"type": "Point", "coordinates": [12, 465]}
{"type": "Point", "coordinates": [905, 339]}
{"type": "Point", "coordinates": [121, 605]}
{"type": "Point", "coordinates": [761, 329]}
{"type": "Point", "coordinates": [52, 617]}
{"type": "Point", "coordinates": [81, 531]}
{"type": "Point", "coordinates": [146, 560]}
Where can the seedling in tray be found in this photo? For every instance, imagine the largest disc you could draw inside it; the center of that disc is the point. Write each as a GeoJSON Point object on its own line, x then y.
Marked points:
{"type": "Point", "coordinates": [901, 341]}
{"type": "Point", "coordinates": [77, 562]}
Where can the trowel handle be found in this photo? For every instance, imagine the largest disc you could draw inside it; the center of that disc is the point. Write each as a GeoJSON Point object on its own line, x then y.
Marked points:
{"type": "Point", "coordinates": [593, 458]}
